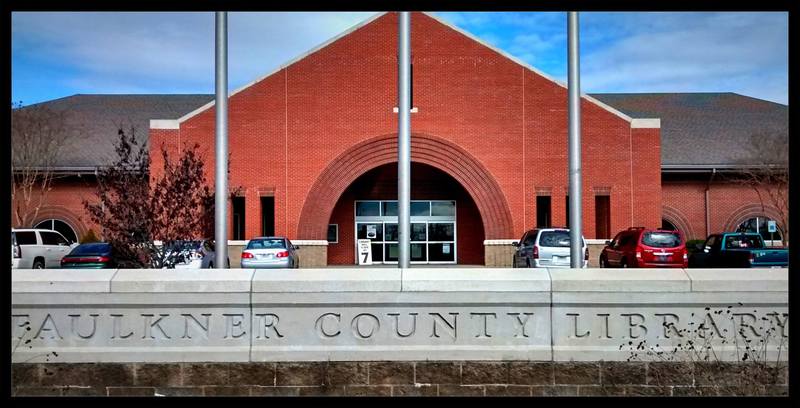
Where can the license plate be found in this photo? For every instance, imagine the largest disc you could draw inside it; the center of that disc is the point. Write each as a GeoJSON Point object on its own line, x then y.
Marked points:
{"type": "Point", "coordinates": [559, 259]}
{"type": "Point", "coordinates": [265, 256]}
{"type": "Point", "coordinates": [662, 258]}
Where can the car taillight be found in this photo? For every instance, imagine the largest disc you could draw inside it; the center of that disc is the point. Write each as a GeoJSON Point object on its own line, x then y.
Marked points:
{"type": "Point", "coordinates": [638, 252]}
{"type": "Point", "coordinates": [103, 259]}
{"type": "Point", "coordinates": [586, 255]}
{"type": "Point", "coordinates": [247, 255]}
{"type": "Point", "coordinates": [752, 257]}
{"type": "Point", "coordinates": [535, 252]}
{"type": "Point", "coordinates": [282, 254]}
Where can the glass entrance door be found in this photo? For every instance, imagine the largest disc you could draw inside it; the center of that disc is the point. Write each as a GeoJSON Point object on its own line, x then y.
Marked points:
{"type": "Point", "coordinates": [433, 230]}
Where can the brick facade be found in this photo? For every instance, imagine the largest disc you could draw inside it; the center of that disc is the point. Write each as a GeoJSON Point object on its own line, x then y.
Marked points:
{"type": "Point", "coordinates": [306, 133]}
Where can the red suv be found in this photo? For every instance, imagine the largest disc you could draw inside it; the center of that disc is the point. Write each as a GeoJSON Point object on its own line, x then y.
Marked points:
{"type": "Point", "coordinates": [639, 247]}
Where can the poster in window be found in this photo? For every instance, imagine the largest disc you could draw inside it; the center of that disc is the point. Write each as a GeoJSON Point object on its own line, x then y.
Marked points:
{"type": "Point", "coordinates": [446, 248]}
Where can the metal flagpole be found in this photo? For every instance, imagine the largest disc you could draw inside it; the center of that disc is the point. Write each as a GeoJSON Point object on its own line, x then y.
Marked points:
{"type": "Point", "coordinates": [404, 140]}
{"type": "Point", "coordinates": [221, 171]}
{"type": "Point", "coordinates": [574, 89]}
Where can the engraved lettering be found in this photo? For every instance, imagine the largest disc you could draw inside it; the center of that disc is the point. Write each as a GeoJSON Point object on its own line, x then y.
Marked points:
{"type": "Point", "coordinates": [320, 324]}
{"type": "Point", "coordinates": [670, 326]}
{"type": "Point", "coordinates": [271, 324]}
{"type": "Point", "coordinates": [16, 325]}
{"type": "Point", "coordinates": [205, 327]}
{"type": "Point", "coordinates": [781, 324]}
{"type": "Point", "coordinates": [438, 318]}
{"type": "Point", "coordinates": [230, 324]}
{"type": "Point", "coordinates": [397, 324]}
{"type": "Point", "coordinates": [519, 324]}
{"type": "Point", "coordinates": [148, 326]}
{"type": "Point", "coordinates": [117, 332]}
{"type": "Point", "coordinates": [708, 323]}
{"type": "Point", "coordinates": [751, 325]}
{"type": "Point", "coordinates": [605, 334]}
{"type": "Point", "coordinates": [575, 320]}
{"type": "Point", "coordinates": [374, 326]}
{"type": "Point", "coordinates": [632, 325]}
{"type": "Point", "coordinates": [485, 332]}
{"type": "Point", "coordinates": [76, 330]}
{"type": "Point", "coordinates": [53, 330]}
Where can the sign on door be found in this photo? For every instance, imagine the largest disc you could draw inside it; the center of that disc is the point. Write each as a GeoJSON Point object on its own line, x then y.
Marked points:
{"type": "Point", "coordinates": [364, 252]}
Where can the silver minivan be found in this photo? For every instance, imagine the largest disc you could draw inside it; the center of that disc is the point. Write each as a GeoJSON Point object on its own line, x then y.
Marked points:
{"type": "Point", "coordinates": [270, 252]}
{"type": "Point", "coordinates": [546, 247]}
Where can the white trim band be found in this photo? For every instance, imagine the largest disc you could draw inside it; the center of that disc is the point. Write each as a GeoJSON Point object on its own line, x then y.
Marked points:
{"type": "Point", "coordinates": [164, 124]}
{"type": "Point", "coordinates": [646, 124]}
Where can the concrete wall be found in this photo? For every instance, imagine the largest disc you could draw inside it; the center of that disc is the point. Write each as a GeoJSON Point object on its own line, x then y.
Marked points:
{"type": "Point", "coordinates": [387, 314]}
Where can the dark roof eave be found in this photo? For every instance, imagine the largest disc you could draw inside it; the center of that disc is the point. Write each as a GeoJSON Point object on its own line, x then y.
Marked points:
{"type": "Point", "coordinates": [710, 168]}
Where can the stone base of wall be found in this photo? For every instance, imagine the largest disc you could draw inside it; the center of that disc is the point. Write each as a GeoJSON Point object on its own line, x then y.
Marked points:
{"type": "Point", "coordinates": [498, 253]}
{"type": "Point", "coordinates": [313, 256]}
{"type": "Point", "coordinates": [429, 378]}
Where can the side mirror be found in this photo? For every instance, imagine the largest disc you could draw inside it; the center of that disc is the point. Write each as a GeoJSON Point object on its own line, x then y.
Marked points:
{"type": "Point", "coordinates": [699, 247]}
{"type": "Point", "coordinates": [295, 247]}
{"type": "Point", "coordinates": [515, 244]}
{"type": "Point", "coordinates": [608, 242]}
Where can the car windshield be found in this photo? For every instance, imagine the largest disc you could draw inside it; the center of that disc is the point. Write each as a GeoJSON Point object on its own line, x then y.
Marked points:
{"type": "Point", "coordinates": [269, 243]}
{"type": "Point", "coordinates": [183, 246]}
{"type": "Point", "coordinates": [743, 241]}
{"type": "Point", "coordinates": [661, 239]}
{"type": "Point", "coordinates": [554, 239]}
{"type": "Point", "coordinates": [91, 249]}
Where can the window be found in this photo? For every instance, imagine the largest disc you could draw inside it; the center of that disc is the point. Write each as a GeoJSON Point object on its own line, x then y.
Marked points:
{"type": "Point", "coordinates": [238, 217]}
{"type": "Point", "coordinates": [52, 238]}
{"type": "Point", "coordinates": [602, 216]}
{"type": "Point", "coordinates": [543, 212]}
{"type": "Point", "coordinates": [267, 216]}
{"type": "Point", "coordinates": [566, 201]}
{"type": "Point", "coordinates": [443, 208]}
{"type": "Point", "coordinates": [272, 243]}
{"type": "Point", "coordinates": [62, 227]}
{"type": "Point", "coordinates": [661, 239]}
{"type": "Point", "coordinates": [420, 208]}
{"type": "Point", "coordinates": [760, 225]}
{"type": "Point", "coordinates": [25, 237]}
{"type": "Point", "coordinates": [558, 239]}
{"type": "Point", "coordinates": [367, 209]}
{"type": "Point", "coordinates": [333, 233]}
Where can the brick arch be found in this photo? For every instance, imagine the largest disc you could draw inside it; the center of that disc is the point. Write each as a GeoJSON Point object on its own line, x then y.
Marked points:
{"type": "Point", "coordinates": [63, 214]}
{"type": "Point", "coordinates": [679, 220]}
{"type": "Point", "coordinates": [426, 149]}
{"type": "Point", "coordinates": [748, 211]}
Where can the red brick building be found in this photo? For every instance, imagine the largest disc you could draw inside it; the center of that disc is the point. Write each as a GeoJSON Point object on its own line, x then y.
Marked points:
{"type": "Point", "coordinates": [313, 151]}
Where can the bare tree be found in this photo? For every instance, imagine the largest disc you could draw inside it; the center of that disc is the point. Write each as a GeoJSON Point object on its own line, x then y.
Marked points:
{"type": "Point", "coordinates": [135, 210]}
{"type": "Point", "coordinates": [38, 135]}
{"type": "Point", "coordinates": [767, 173]}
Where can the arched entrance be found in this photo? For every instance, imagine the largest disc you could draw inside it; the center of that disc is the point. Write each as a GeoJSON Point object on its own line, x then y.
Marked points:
{"type": "Point", "coordinates": [446, 225]}
{"type": "Point", "coordinates": [436, 152]}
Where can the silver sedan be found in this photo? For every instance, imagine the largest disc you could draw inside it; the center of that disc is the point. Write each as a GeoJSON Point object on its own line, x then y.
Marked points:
{"type": "Point", "coordinates": [270, 252]}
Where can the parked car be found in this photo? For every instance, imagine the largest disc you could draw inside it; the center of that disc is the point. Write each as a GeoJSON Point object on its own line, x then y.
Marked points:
{"type": "Point", "coordinates": [191, 254]}
{"type": "Point", "coordinates": [738, 250]}
{"type": "Point", "coordinates": [546, 247]}
{"type": "Point", "coordinates": [38, 248]}
{"type": "Point", "coordinates": [94, 255]}
{"type": "Point", "coordinates": [639, 247]}
{"type": "Point", "coordinates": [270, 252]}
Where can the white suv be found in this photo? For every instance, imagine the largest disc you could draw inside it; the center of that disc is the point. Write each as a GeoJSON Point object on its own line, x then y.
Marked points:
{"type": "Point", "coordinates": [38, 248]}
{"type": "Point", "coordinates": [546, 247]}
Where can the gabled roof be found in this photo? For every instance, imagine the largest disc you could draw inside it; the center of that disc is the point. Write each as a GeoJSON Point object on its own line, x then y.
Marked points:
{"type": "Point", "coordinates": [95, 119]}
{"type": "Point", "coordinates": [172, 125]}
{"type": "Point", "coordinates": [705, 129]}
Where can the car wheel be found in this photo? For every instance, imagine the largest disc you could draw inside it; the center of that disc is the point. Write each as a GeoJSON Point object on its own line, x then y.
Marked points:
{"type": "Point", "coordinates": [527, 263]}
{"type": "Point", "coordinates": [211, 265]}
{"type": "Point", "coordinates": [603, 262]}
{"type": "Point", "coordinates": [623, 264]}
{"type": "Point", "coordinates": [513, 261]}
{"type": "Point", "coordinates": [38, 264]}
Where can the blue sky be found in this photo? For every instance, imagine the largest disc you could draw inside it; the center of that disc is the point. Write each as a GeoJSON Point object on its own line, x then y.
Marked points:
{"type": "Point", "coordinates": [61, 54]}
